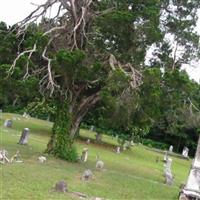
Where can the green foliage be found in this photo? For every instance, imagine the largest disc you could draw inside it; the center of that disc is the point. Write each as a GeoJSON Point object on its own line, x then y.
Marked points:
{"type": "Point", "coordinates": [61, 143]}
{"type": "Point", "coordinates": [41, 109]}
{"type": "Point", "coordinates": [154, 144]}
{"type": "Point", "coordinates": [70, 59]}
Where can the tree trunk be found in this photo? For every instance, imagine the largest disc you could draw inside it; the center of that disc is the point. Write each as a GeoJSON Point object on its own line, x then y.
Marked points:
{"type": "Point", "coordinates": [67, 122]}
{"type": "Point", "coordinates": [61, 141]}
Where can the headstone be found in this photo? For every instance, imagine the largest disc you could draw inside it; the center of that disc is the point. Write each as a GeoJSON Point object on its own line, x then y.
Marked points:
{"type": "Point", "coordinates": [92, 128]}
{"type": "Point", "coordinates": [84, 155]}
{"type": "Point", "coordinates": [99, 165]}
{"type": "Point", "coordinates": [171, 148]}
{"type": "Point", "coordinates": [8, 123]}
{"type": "Point", "coordinates": [26, 115]}
{"type": "Point", "coordinates": [124, 148]}
{"type": "Point", "coordinates": [3, 156]}
{"type": "Point", "coordinates": [192, 187]}
{"type": "Point", "coordinates": [61, 186]}
{"type": "Point", "coordinates": [88, 141]}
{"type": "Point", "coordinates": [87, 175]}
{"type": "Point", "coordinates": [132, 143]}
{"type": "Point", "coordinates": [168, 173]}
{"type": "Point", "coordinates": [165, 156]}
{"type": "Point", "coordinates": [185, 152]}
{"type": "Point", "coordinates": [24, 136]}
{"type": "Point", "coordinates": [98, 137]}
{"type": "Point", "coordinates": [42, 159]}
{"type": "Point", "coordinates": [118, 150]}
{"type": "Point", "coordinates": [16, 158]}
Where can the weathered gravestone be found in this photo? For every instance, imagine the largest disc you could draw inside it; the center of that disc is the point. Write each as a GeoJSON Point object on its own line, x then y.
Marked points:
{"type": "Point", "coordinates": [84, 155]}
{"type": "Point", "coordinates": [99, 164]}
{"type": "Point", "coordinates": [61, 186]}
{"type": "Point", "coordinates": [117, 149]}
{"type": "Point", "coordinates": [165, 156]}
{"type": "Point", "coordinates": [42, 159]}
{"type": "Point", "coordinates": [88, 141]}
{"type": "Point", "coordinates": [87, 175]}
{"type": "Point", "coordinates": [192, 188]}
{"type": "Point", "coordinates": [8, 123]}
{"type": "Point", "coordinates": [171, 148]}
{"type": "Point", "coordinates": [16, 158]}
{"type": "Point", "coordinates": [98, 138]}
{"type": "Point", "coordinates": [185, 152]}
{"type": "Point", "coordinates": [24, 136]}
{"type": "Point", "coordinates": [3, 156]}
{"type": "Point", "coordinates": [168, 173]}
{"type": "Point", "coordinates": [26, 115]}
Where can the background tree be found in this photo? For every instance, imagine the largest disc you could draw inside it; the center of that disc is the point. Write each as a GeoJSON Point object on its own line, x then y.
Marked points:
{"type": "Point", "coordinates": [77, 54]}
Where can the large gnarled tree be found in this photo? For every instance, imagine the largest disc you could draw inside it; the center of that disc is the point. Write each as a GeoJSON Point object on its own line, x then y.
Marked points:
{"type": "Point", "coordinates": [78, 51]}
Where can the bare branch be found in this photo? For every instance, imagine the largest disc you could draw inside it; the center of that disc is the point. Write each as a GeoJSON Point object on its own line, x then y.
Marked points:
{"type": "Point", "coordinates": [128, 70]}
{"type": "Point", "coordinates": [11, 70]}
{"type": "Point", "coordinates": [55, 29]}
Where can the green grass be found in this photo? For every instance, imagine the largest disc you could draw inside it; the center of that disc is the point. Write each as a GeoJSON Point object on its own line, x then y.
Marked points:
{"type": "Point", "coordinates": [133, 174]}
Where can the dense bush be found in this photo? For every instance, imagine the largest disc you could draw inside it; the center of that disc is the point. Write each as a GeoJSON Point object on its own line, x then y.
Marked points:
{"type": "Point", "coordinates": [154, 144]}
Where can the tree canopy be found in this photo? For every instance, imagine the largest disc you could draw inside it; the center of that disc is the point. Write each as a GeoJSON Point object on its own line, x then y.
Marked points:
{"type": "Point", "coordinates": [91, 55]}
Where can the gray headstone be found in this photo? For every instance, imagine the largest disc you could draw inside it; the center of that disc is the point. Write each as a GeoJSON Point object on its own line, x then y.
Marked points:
{"type": "Point", "coordinates": [61, 186]}
{"type": "Point", "coordinates": [98, 137]}
{"type": "Point", "coordinates": [168, 173]}
{"type": "Point", "coordinates": [8, 123]}
{"type": "Point", "coordinates": [87, 175]}
{"type": "Point", "coordinates": [88, 141]}
{"type": "Point", "coordinates": [24, 136]}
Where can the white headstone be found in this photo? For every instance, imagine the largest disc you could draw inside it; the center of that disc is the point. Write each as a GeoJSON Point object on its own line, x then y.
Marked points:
{"type": "Point", "coordinates": [185, 152]}
{"type": "Point", "coordinates": [192, 187]}
{"type": "Point", "coordinates": [42, 159]}
{"type": "Point", "coordinates": [171, 148]}
{"type": "Point", "coordinates": [99, 165]}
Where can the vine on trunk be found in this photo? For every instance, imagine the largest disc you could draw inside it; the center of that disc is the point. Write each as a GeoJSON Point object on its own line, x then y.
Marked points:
{"type": "Point", "coordinates": [61, 142]}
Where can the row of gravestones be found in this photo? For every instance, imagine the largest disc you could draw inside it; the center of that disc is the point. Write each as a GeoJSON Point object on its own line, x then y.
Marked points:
{"type": "Point", "coordinates": [25, 133]}
{"type": "Point", "coordinates": [185, 151]}
{"type": "Point", "coordinates": [117, 149]}
{"type": "Point", "coordinates": [169, 178]}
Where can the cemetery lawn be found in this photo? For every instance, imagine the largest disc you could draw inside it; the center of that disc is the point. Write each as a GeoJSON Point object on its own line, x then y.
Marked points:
{"type": "Point", "coordinates": [133, 174]}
